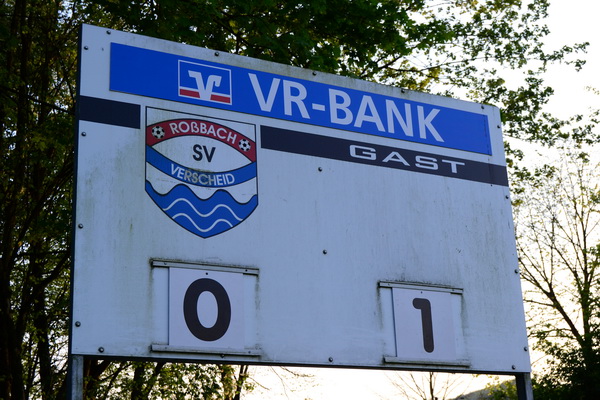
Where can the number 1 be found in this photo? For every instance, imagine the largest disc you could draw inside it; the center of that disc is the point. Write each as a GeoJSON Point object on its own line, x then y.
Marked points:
{"type": "Point", "coordinates": [425, 306]}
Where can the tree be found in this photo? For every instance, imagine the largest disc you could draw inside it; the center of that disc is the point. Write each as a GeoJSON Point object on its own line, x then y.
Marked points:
{"type": "Point", "coordinates": [145, 380]}
{"type": "Point", "coordinates": [38, 60]}
{"type": "Point", "coordinates": [430, 385]}
{"type": "Point", "coordinates": [416, 44]}
{"type": "Point", "coordinates": [558, 226]}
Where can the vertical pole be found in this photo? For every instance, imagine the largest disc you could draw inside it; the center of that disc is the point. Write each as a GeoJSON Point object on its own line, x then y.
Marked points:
{"type": "Point", "coordinates": [524, 387]}
{"type": "Point", "coordinates": [75, 389]}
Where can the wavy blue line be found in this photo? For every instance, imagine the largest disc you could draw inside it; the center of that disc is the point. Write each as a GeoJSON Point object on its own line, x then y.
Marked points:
{"type": "Point", "coordinates": [205, 218]}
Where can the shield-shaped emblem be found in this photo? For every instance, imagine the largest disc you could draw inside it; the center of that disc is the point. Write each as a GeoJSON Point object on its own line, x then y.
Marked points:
{"type": "Point", "coordinates": [202, 172]}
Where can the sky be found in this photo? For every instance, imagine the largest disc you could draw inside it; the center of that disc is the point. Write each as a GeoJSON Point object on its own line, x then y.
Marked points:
{"type": "Point", "coordinates": [570, 22]}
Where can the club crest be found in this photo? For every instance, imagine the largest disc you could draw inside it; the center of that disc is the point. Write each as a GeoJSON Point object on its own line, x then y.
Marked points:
{"type": "Point", "coordinates": [202, 172]}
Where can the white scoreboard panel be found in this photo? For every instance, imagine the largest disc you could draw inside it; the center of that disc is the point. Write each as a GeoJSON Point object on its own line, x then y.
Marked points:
{"type": "Point", "coordinates": [234, 210]}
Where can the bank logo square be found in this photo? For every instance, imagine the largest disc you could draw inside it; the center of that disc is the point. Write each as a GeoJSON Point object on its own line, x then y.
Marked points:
{"type": "Point", "coordinates": [204, 82]}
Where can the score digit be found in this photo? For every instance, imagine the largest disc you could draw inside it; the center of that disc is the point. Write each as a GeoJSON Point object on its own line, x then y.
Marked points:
{"type": "Point", "coordinates": [425, 306]}
{"type": "Point", "coordinates": [190, 309]}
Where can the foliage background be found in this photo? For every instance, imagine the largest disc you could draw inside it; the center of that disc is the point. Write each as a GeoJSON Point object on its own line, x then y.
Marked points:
{"type": "Point", "coordinates": [454, 47]}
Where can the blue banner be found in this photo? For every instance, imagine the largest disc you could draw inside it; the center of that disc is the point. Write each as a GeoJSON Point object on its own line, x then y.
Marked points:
{"type": "Point", "coordinates": [172, 77]}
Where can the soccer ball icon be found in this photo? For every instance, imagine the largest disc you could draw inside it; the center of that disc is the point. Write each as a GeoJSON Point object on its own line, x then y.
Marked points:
{"type": "Point", "coordinates": [244, 145]}
{"type": "Point", "coordinates": [158, 132]}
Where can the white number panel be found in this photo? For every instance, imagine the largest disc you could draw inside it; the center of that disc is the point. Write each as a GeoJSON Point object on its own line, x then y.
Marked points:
{"type": "Point", "coordinates": [427, 324]}
{"type": "Point", "coordinates": [206, 309]}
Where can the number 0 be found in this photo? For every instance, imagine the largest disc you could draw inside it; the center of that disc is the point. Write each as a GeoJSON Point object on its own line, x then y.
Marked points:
{"type": "Point", "coordinates": [190, 309]}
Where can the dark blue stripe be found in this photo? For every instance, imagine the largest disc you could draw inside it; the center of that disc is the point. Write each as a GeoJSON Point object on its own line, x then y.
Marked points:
{"type": "Point", "coordinates": [408, 160]}
{"type": "Point", "coordinates": [108, 112]}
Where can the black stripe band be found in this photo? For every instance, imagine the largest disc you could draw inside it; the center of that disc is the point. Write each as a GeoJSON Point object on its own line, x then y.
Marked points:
{"type": "Point", "coordinates": [381, 156]}
{"type": "Point", "coordinates": [109, 112]}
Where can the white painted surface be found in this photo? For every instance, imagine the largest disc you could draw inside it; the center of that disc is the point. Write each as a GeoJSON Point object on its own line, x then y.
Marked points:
{"type": "Point", "coordinates": [324, 236]}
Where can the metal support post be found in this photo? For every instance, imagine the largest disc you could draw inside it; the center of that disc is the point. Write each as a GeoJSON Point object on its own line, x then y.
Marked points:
{"type": "Point", "coordinates": [75, 389]}
{"type": "Point", "coordinates": [524, 387]}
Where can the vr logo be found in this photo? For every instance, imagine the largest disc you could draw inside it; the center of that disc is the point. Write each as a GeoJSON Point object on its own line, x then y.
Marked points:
{"type": "Point", "coordinates": [203, 82]}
